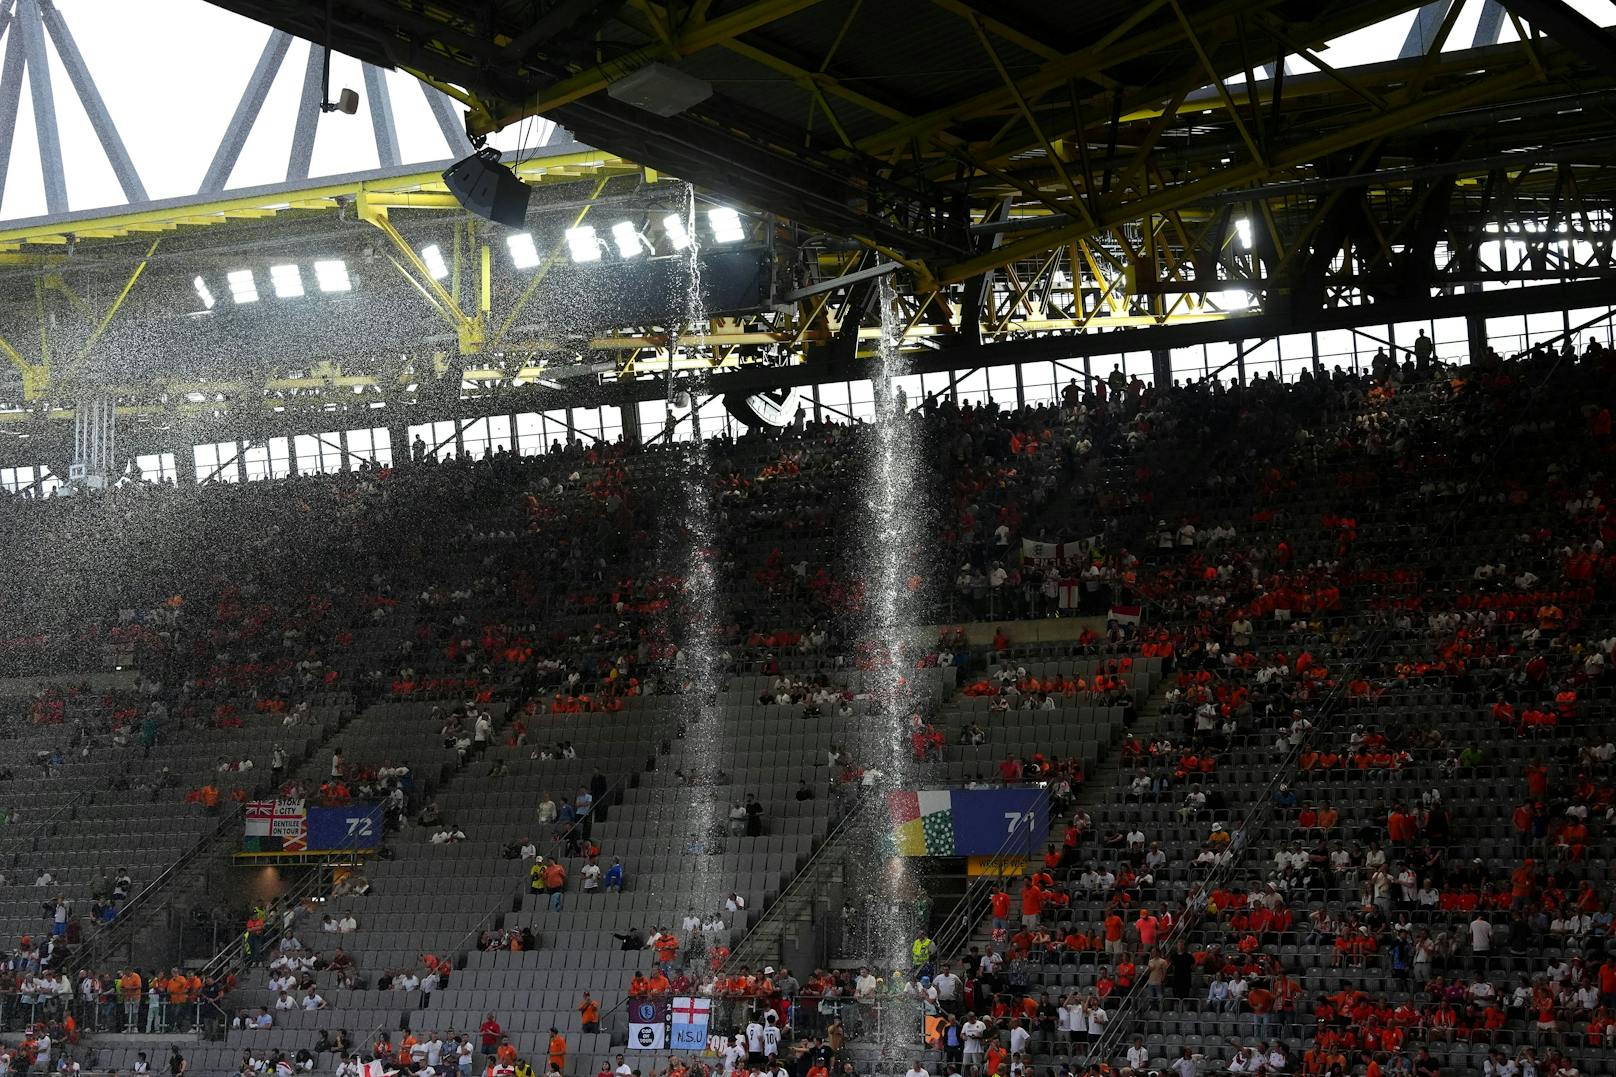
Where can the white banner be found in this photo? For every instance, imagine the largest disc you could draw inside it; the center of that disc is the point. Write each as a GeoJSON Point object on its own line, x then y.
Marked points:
{"type": "Point", "coordinates": [1056, 551]}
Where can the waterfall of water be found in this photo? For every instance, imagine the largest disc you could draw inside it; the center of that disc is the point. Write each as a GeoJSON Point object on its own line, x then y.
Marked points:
{"type": "Point", "coordinates": [694, 625]}
{"type": "Point", "coordinates": [894, 504]}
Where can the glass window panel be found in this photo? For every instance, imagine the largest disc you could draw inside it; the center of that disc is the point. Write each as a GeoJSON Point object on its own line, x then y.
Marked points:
{"type": "Point", "coordinates": [318, 454]}
{"type": "Point", "coordinates": [1261, 359]}
{"type": "Point", "coordinates": [972, 387]}
{"type": "Point", "coordinates": [586, 423]}
{"type": "Point", "coordinates": [381, 448]}
{"type": "Point", "coordinates": [611, 423]}
{"type": "Point", "coordinates": [1506, 335]}
{"type": "Point", "coordinates": [1543, 326]}
{"type": "Point", "coordinates": [474, 437]}
{"type": "Point", "coordinates": [530, 434]}
{"type": "Point", "coordinates": [217, 462]}
{"type": "Point", "coordinates": [1335, 349]}
{"type": "Point", "coordinates": [1296, 346]}
{"type": "Point", "coordinates": [558, 432]}
{"type": "Point", "coordinates": [652, 420]}
{"type": "Point", "coordinates": [911, 388]}
{"type": "Point", "coordinates": [1191, 363]}
{"type": "Point", "coordinates": [438, 439]}
{"type": "Point", "coordinates": [861, 399]}
{"type": "Point", "coordinates": [833, 405]}
{"type": "Point", "coordinates": [936, 384]}
{"type": "Point", "coordinates": [716, 419]}
{"type": "Point", "coordinates": [1139, 365]}
{"type": "Point", "coordinates": [154, 467]}
{"type": "Point", "coordinates": [1215, 355]}
{"type": "Point", "coordinates": [1038, 383]}
{"type": "Point", "coordinates": [1452, 338]}
{"type": "Point", "coordinates": [255, 462]}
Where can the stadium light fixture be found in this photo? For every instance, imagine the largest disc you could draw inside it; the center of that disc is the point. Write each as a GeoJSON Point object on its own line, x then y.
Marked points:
{"type": "Point", "coordinates": [287, 280]}
{"type": "Point", "coordinates": [524, 255]}
{"type": "Point", "coordinates": [433, 258]}
{"type": "Point", "coordinates": [673, 226]}
{"type": "Point", "coordinates": [582, 244]}
{"type": "Point", "coordinates": [726, 224]}
{"type": "Point", "coordinates": [332, 275]}
{"type": "Point", "coordinates": [628, 240]}
{"type": "Point", "coordinates": [243, 288]}
{"type": "Point", "coordinates": [204, 293]}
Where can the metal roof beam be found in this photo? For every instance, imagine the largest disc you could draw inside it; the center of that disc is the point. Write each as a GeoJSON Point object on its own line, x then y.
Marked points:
{"type": "Point", "coordinates": [1426, 21]}
{"type": "Point", "coordinates": [31, 26]}
{"type": "Point", "coordinates": [1366, 130]}
{"type": "Point", "coordinates": [78, 73]}
{"type": "Point", "coordinates": [246, 114]}
{"type": "Point", "coordinates": [454, 132]}
{"type": "Point", "coordinates": [308, 116]}
{"type": "Point", "coordinates": [1570, 28]}
{"type": "Point", "coordinates": [691, 39]}
{"type": "Point", "coordinates": [1489, 24]}
{"type": "Point", "coordinates": [381, 115]}
{"type": "Point", "coordinates": [10, 93]}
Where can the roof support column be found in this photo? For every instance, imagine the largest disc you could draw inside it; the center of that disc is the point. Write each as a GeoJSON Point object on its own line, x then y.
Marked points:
{"type": "Point", "coordinates": [31, 26]}
{"type": "Point", "coordinates": [381, 115]}
{"type": "Point", "coordinates": [308, 115]}
{"type": "Point", "coordinates": [1426, 21]}
{"type": "Point", "coordinates": [1489, 25]}
{"type": "Point", "coordinates": [10, 93]}
{"type": "Point", "coordinates": [454, 132]}
{"type": "Point", "coordinates": [78, 73]}
{"type": "Point", "coordinates": [246, 114]}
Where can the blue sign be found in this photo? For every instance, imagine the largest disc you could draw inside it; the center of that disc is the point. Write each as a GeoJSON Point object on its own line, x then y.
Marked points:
{"type": "Point", "coordinates": [986, 820]}
{"type": "Point", "coordinates": [355, 827]}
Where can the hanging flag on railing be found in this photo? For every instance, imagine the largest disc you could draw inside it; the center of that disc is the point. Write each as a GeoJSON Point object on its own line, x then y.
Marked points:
{"type": "Point", "coordinates": [688, 1021]}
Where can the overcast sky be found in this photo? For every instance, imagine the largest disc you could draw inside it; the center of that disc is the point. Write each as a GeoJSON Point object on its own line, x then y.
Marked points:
{"type": "Point", "coordinates": [172, 71]}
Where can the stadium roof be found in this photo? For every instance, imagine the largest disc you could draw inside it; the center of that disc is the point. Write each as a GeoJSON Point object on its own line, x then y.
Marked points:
{"type": "Point", "coordinates": [902, 122]}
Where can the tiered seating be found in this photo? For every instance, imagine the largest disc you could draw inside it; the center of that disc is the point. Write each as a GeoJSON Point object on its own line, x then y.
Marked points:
{"type": "Point", "coordinates": [1394, 637]}
{"type": "Point", "coordinates": [1357, 517]}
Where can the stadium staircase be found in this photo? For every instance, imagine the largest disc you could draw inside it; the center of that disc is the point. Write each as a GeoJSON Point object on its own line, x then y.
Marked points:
{"type": "Point", "coordinates": [972, 929]}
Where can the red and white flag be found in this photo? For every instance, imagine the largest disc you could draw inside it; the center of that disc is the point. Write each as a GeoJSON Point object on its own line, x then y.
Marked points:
{"type": "Point", "coordinates": [1128, 615]}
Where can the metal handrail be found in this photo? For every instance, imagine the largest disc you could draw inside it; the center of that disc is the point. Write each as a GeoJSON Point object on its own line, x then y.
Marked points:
{"type": "Point", "coordinates": [974, 901]}
{"type": "Point", "coordinates": [862, 805]}
{"type": "Point", "coordinates": [224, 961]}
{"type": "Point", "coordinates": [38, 828]}
{"type": "Point", "coordinates": [110, 935]}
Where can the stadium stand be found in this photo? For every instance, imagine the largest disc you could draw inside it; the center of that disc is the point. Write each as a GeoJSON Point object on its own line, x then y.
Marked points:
{"type": "Point", "coordinates": [1339, 801]}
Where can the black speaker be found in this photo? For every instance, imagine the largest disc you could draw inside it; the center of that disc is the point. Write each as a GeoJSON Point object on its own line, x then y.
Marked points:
{"type": "Point", "coordinates": [773, 408]}
{"type": "Point", "coordinates": [485, 186]}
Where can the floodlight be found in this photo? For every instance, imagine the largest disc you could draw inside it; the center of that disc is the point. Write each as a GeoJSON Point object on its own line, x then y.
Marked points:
{"type": "Point", "coordinates": [332, 275]}
{"type": "Point", "coordinates": [674, 226]}
{"type": "Point", "coordinates": [523, 254]}
{"type": "Point", "coordinates": [582, 244]}
{"type": "Point", "coordinates": [203, 293]}
{"type": "Point", "coordinates": [243, 288]}
{"type": "Point", "coordinates": [627, 238]}
{"type": "Point", "coordinates": [433, 257]}
{"type": "Point", "coordinates": [726, 224]}
{"type": "Point", "coordinates": [287, 281]}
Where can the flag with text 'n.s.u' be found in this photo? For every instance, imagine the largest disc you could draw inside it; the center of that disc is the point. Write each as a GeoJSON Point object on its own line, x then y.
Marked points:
{"type": "Point", "coordinates": [688, 1020]}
